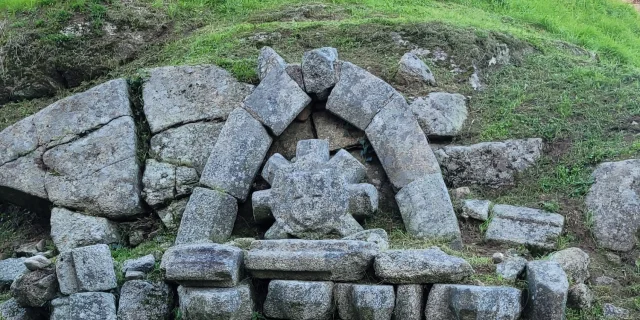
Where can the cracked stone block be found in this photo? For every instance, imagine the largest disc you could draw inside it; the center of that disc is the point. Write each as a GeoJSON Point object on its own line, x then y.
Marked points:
{"type": "Point", "coordinates": [531, 227]}
{"type": "Point", "coordinates": [276, 101]}
{"type": "Point", "coordinates": [35, 288]}
{"type": "Point", "coordinates": [409, 302]}
{"type": "Point", "coordinates": [574, 262]}
{"type": "Point", "coordinates": [209, 216]}
{"type": "Point", "coordinates": [451, 301]}
{"type": "Point", "coordinates": [476, 209]}
{"type": "Point", "coordinates": [86, 269]}
{"type": "Point", "coordinates": [145, 300]}
{"type": "Point", "coordinates": [338, 132]}
{"type": "Point", "coordinates": [492, 164]}
{"type": "Point", "coordinates": [358, 95]}
{"type": "Point", "coordinates": [144, 264]}
{"type": "Point", "coordinates": [10, 269]}
{"type": "Point", "coordinates": [217, 303]}
{"type": "Point", "coordinates": [85, 306]}
{"type": "Point", "coordinates": [203, 264]}
{"type": "Point", "coordinates": [311, 197]}
{"type": "Point", "coordinates": [319, 71]}
{"type": "Point", "coordinates": [25, 175]}
{"type": "Point", "coordinates": [427, 211]}
{"type": "Point", "coordinates": [299, 300]}
{"type": "Point", "coordinates": [71, 230]}
{"type": "Point", "coordinates": [511, 268]}
{"type": "Point", "coordinates": [183, 94]}
{"type": "Point", "coordinates": [239, 152]}
{"type": "Point", "coordinates": [269, 60]}
{"type": "Point", "coordinates": [18, 140]}
{"type": "Point", "coordinates": [97, 173]}
{"type": "Point", "coordinates": [412, 70]}
{"type": "Point", "coordinates": [401, 145]}
{"type": "Point", "coordinates": [548, 290]}
{"type": "Point", "coordinates": [440, 114]}
{"type": "Point", "coordinates": [377, 236]}
{"type": "Point", "coordinates": [188, 145]}
{"type": "Point", "coordinates": [320, 260]}
{"type": "Point", "coordinates": [172, 214]}
{"type": "Point", "coordinates": [360, 302]}
{"type": "Point", "coordinates": [614, 204]}
{"type": "Point", "coordinates": [420, 266]}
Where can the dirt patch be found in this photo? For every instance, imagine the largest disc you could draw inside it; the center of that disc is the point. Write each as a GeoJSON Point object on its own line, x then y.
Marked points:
{"type": "Point", "coordinates": [558, 148]}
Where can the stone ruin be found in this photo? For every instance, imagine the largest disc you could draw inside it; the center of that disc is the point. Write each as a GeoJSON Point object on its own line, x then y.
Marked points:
{"type": "Point", "coordinates": [209, 138]}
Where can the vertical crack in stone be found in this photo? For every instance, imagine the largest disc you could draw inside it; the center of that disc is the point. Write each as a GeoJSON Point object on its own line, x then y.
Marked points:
{"type": "Point", "coordinates": [143, 130]}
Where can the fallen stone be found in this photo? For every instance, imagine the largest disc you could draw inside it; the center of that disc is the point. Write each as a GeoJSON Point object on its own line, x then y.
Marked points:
{"type": "Point", "coordinates": [606, 281]}
{"type": "Point", "coordinates": [183, 94]}
{"type": "Point", "coordinates": [377, 236]}
{"type": "Point", "coordinates": [276, 101]}
{"type": "Point", "coordinates": [574, 262]}
{"type": "Point", "coordinates": [144, 264]}
{"type": "Point", "coordinates": [202, 265]}
{"type": "Point", "coordinates": [448, 301]}
{"type": "Point", "coordinates": [358, 95]}
{"type": "Point", "coordinates": [580, 297]}
{"type": "Point", "coordinates": [353, 170]}
{"type": "Point", "coordinates": [401, 145]}
{"type": "Point", "coordinates": [497, 257]}
{"type": "Point", "coordinates": [324, 260]}
{"type": "Point", "coordinates": [511, 268]}
{"type": "Point", "coordinates": [172, 214]}
{"type": "Point", "coordinates": [364, 301]}
{"type": "Point", "coordinates": [269, 60]}
{"type": "Point", "coordinates": [363, 200]}
{"type": "Point", "coordinates": [28, 249]}
{"type": "Point", "coordinates": [18, 140]}
{"type": "Point", "coordinates": [476, 209]}
{"type": "Point", "coordinates": [427, 211]}
{"type": "Point", "coordinates": [240, 150]}
{"type": "Point", "coordinates": [613, 258]}
{"type": "Point", "coordinates": [35, 288]}
{"type": "Point", "coordinates": [71, 230]}
{"type": "Point", "coordinates": [614, 204]}
{"type": "Point", "coordinates": [216, 303]}
{"type": "Point", "coordinates": [492, 164]}
{"type": "Point", "coordinates": [209, 216]}
{"type": "Point", "coordinates": [461, 193]}
{"type": "Point", "coordinates": [10, 269]}
{"type": "Point", "coordinates": [145, 300]}
{"type": "Point", "coordinates": [11, 310]}
{"type": "Point", "coordinates": [319, 70]}
{"type": "Point", "coordinates": [134, 275]}
{"type": "Point", "coordinates": [525, 226]}
{"type": "Point", "coordinates": [548, 289]}
{"type": "Point", "coordinates": [409, 302]}
{"type": "Point", "coordinates": [412, 70]}
{"type": "Point", "coordinates": [339, 133]}
{"type": "Point", "coordinates": [86, 269]}
{"type": "Point", "coordinates": [159, 182]}
{"type": "Point", "coordinates": [285, 144]}
{"type": "Point", "coordinates": [299, 300]}
{"type": "Point", "coordinates": [37, 262]}
{"type": "Point", "coordinates": [420, 266]}
{"type": "Point", "coordinates": [612, 312]}
{"type": "Point", "coordinates": [85, 306]}
{"type": "Point", "coordinates": [440, 114]}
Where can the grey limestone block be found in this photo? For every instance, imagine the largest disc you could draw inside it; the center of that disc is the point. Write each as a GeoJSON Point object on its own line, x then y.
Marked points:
{"type": "Point", "coordinates": [299, 300]}
{"type": "Point", "coordinates": [363, 200]}
{"type": "Point", "coordinates": [10, 269]}
{"type": "Point", "coordinates": [548, 290]}
{"type": "Point", "coordinates": [172, 214]}
{"type": "Point", "coordinates": [163, 182]}
{"type": "Point", "coordinates": [440, 114]}
{"type": "Point", "coordinates": [209, 216]}
{"type": "Point", "coordinates": [235, 303]}
{"type": "Point", "coordinates": [420, 266]}
{"type": "Point", "coordinates": [360, 302]}
{"type": "Point", "coordinates": [531, 227]}
{"type": "Point", "coordinates": [511, 268]}
{"type": "Point", "coordinates": [24, 175]}
{"type": "Point", "coordinates": [269, 60]}
{"type": "Point", "coordinates": [319, 70]}
{"type": "Point", "coordinates": [574, 262]}
{"type": "Point", "coordinates": [476, 209]}
{"type": "Point", "coordinates": [273, 165]}
{"type": "Point", "coordinates": [322, 260]}
{"type": "Point", "coordinates": [412, 70]}
{"type": "Point", "coordinates": [18, 139]}
{"type": "Point", "coordinates": [203, 264]}
{"type": "Point", "coordinates": [144, 264]}
{"type": "Point", "coordinates": [85, 306]}
{"type": "Point", "coordinates": [450, 301]}
{"type": "Point", "coordinates": [134, 275]}
{"type": "Point", "coordinates": [580, 297]}
{"type": "Point", "coordinates": [86, 269]}
{"type": "Point", "coordinates": [410, 300]}
{"type": "Point", "coordinates": [72, 230]}
{"type": "Point", "coordinates": [35, 288]}
{"type": "Point", "coordinates": [66, 273]}
{"type": "Point", "coordinates": [238, 155]}
{"type": "Point", "coordinates": [294, 70]}
{"type": "Point", "coordinates": [353, 170]}
{"type": "Point", "coordinates": [276, 101]}
{"type": "Point", "coordinates": [145, 300]}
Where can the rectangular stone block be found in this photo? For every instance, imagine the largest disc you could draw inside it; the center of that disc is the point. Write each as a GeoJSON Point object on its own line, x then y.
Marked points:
{"type": "Point", "coordinates": [420, 266]}
{"type": "Point", "coordinates": [216, 303]}
{"type": "Point", "coordinates": [203, 264]}
{"type": "Point", "coordinates": [531, 227]}
{"type": "Point", "coordinates": [209, 216]}
{"type": "Point", "coordinates": [448, 301]}
{"type": "Point", "coordinates": [94, 268]}
{"type": "Point", "coordinates": [85, 306]}
{"type": "Point", "coordinates": [409, 302]}
{"type": "Point", "coordinates": [548, 291]}
{"type": "Point", "coordinates": [359, 302]}
{"type": "Point", "coordinates": [299, 300]}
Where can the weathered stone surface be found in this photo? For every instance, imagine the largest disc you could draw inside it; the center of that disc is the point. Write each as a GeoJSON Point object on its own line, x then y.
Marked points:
{"type": "Point", "coordinates": [134, 275]}
{"type": "Point", "coordinates": [204, 264]}
{"type": "Point", "coordinates": [338, 132]}
{"type": "Point", "coordinates": [24, 175]}
{"type": "Point", "coordinates": [440, 114]}
{"type": "Point", "coordinates": [427, 211]}
{"type": "Point", "coordinates": [216, 303]}
{"type": "Point", "coordinates": [334, 260]}
{"type": "Point", "coordinates": [66, 273]}
{"type": "Point", "coordinates": [476, 209]}
{"type": "Point", "coordinates": [144, 300]}
{"type": "Point", "coordinates": [172, 214]}
{"type": "Point", "coordinates": [209, 216]}
{"type": "Point", "coordinates": [187, 145]}
{"type": "Point", "coordinates": [511, 268]}
{"type": "Point", "coordinates": [420, 266]}
{"type": "Point", "coordinates": [18, 140]}
{"type": "Point", "coordinates": [612, 312]}
{"type": "Point", "coordinates": [276, 101]}
{"type": "Point", "coordinates": [409, 302]}
{"type": "Point", "coordinates": [10, 269]}
{"type": "Point", "coordinates": [448, 301]}
{"type": "Point", "coordinates": [11, 310]}
{"type": "Point", "coordinates": [377, 236]}
{"type": "Point", "coordinates": [97, 173]}
{"type": "Point", "coordinates": [37, 262]}
{"type": "Point", "coordinates": [491, 164]}
{"type": "Point", "coordinates": [94, 268]}
{"type": "Point", "coordinates": [182, 94]}
{"type": "Point", "coordinates": [299, 300]}
{"type": "Point", "coordinates": [401, 145]}
{"type": "Point", "coordinates": [239, 152]}
{"type": "Point", "coordinates": [606, 281]}
{"type": "Point", "coordinates": [269, 60]}
{"type": "Point", "coordinates": [412, 70]}
{"type": "Point", "coordinates": [358, 302]}
{"type": "Point", "coordinates": [85, 306]}
{"type": "Point", "coordinates": [72, 230]}
{"type": "Point", "coordinates": [574, 262]}
{"type": "Point", "coordinates": [158, 181]}
{"type": "Point", "coordinates": [461, 193]}
{"type": "Point", "coordinates": [358, 95]}
{"type": "Point", "coordinates": [352, 169]}
{"type": "Point", "coordinates": [614, 202]}
{"type": "Point", "coordinates": [144, 264]}
{"type": "Point", "coordinates": [294, 70]}
{"type": "Point", "coordinates": [526, 226]}
{"type": "Point", "coordinates": [548, 288]}
{"type": "Point", "coordinates": [319, 70]}
{"type": "Point", "coordinates": [580, 297]}
{"type": "Point", "coordinates": [285, 144]}
{"type": "Point", "coordinates": [35, 288]}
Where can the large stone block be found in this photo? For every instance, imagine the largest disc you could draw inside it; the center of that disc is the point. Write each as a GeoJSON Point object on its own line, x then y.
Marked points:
{"type": "Point", "coordinates": [299, 300]}
{"type": "Point", "coordinates": [237, 155]}
{"type": "Point", "coordinates": [217, 303]}
{"type": "Point", "coordinates": [86, 269]}
{"type": "Point", "coordinates": [548, 291]}
{"type": "Point", "coordinates": [209, 216]}
{"type": "Point", "coordinates": [35, 288]}
{"type": "Point", "coordinates": [163, 182]}
{"type": "Point", "coordinates": [409, 302]}
{"type": "Point", "coordinates": [448, 301]}
{"type": "Point", "coordinates": [319, 70]}
{"type": "Point", "coordinates": [334, 260]}
{"type": "Point", "coordinates": [11, 310]}
{"type": "Point", "coordinates": [203, 264]}
{"type": "Point", "coordinates": [72, 230]}
{"type": "Point", "coordinates": [269, 60]}
{"type": "Point", "coordinates": [10, 269]}
{"type": "Point", "coordinates": [363, 302]}
{"type": "Point", "coordinates": [144, 300]}
{"type": "Point", "coordinates": [440, 114]}
{"type": "Point", "coordinates": [420, 266]}
{"type": "Point", "coordinates": [574, 262]}
{"type": "Point", "coordinates": [526, 226]}
{"type": "Point", "coordinates": [412, 70]}
{"type": "Point", "coordinates": [85, 306]}
{"type": "Point", "coordinates": [183, 94]}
